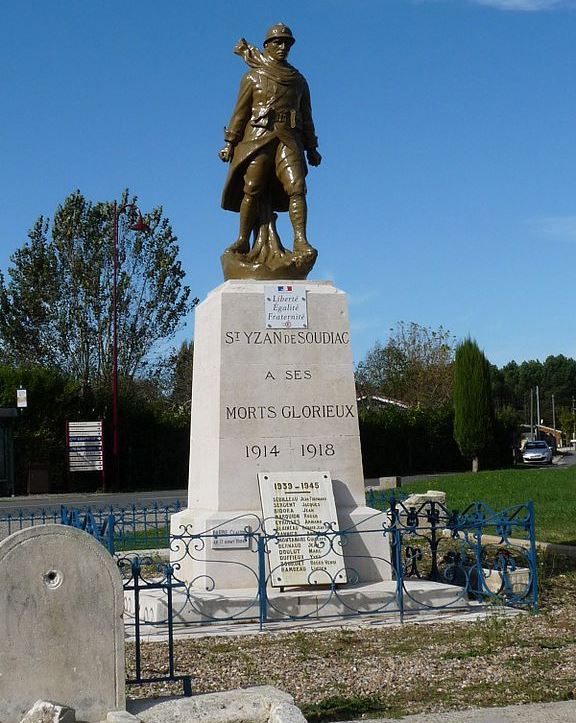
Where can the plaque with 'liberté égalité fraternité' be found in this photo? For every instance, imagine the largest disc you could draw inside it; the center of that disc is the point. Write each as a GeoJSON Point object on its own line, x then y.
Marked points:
{"type": "Point", "coordinates": [285, 307]}
{"type": "Point", "coordinates": [299, 507]}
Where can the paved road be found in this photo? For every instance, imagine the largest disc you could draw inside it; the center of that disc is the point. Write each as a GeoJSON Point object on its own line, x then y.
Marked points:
{"type": "Point", "coordinates": [567, 459]}
{"type": "Point", "coordinates": [564, 712]}
{"type": "Point", "coordinates": [49, 503]}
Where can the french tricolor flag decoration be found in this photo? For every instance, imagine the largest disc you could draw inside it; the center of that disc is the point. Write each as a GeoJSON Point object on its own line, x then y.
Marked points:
{"type": "Point", "coordinates": [284, 288]}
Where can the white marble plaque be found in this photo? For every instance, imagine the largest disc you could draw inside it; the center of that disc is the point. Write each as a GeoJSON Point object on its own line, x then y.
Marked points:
{"type": "Point", "coordinates": [295, 505]}
{"type": "Point", "coordinates": [231, 534]}
{"type": "Point", "coordinates": [285, 307]}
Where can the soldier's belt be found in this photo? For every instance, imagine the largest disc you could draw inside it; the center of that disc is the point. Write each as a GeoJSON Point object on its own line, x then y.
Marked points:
{"type": "Point", "coordinates": [285, 116]}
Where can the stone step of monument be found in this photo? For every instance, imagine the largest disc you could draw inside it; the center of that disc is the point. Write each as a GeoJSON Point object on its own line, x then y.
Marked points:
{"type": "Point", "coordinates": [225, 606]}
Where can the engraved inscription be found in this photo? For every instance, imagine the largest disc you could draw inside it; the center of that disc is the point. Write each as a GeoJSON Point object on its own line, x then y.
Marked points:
{"type": "Point", "coordinates": [290, 411]}
{"type": "Point", "coordinates": [256, 338]}
{"type": "Point", "coordinates": [291, 375]}
{"type": "Point", "coordinates": [317, 450]}
{"type": "Point", "coordinates": [297, 374]}
{"type": "Point", "coordinates": [255, 451]}
{"type": "Point", "coordinates": [299, 507]}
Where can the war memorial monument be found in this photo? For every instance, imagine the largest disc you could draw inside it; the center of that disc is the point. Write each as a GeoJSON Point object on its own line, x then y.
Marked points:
{"type": "Point", "coordinates": [274, 440]}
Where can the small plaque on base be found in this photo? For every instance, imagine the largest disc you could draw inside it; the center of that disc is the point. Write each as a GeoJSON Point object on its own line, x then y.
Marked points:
{"type": "Point", "coordinates": [299, 507]}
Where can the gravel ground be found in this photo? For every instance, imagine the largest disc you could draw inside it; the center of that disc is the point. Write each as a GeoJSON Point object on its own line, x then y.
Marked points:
{"type": "Point", "coordinates": [342, 673]}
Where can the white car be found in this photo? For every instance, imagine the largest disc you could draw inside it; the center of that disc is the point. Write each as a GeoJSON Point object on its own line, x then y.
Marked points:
{"type": "Point", "coordinates": [537, 453]}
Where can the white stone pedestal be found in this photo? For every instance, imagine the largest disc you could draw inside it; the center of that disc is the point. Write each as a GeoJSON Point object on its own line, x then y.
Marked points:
{"type": "Point", "coordinates": [270, 400]}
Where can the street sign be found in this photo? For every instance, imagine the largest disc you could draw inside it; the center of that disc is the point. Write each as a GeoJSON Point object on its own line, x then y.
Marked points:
{"type": "Point", "coordinates": [85, 446]}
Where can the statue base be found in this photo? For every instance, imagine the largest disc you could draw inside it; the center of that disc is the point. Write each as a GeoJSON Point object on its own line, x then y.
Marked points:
{"type": "Point", "coordinates": [285, 265]}
{"type": "Point", "coordinates": [270, 401]}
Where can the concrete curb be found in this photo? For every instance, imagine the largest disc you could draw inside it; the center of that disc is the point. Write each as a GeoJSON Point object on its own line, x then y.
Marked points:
{"type": "Point", "coordinates": [550, 547]}
{"type": "Point", "coordinates": [562, 712]}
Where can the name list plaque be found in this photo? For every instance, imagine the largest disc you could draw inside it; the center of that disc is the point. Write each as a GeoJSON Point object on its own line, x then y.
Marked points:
{"type": "Point", "coordinates": [295, 505]}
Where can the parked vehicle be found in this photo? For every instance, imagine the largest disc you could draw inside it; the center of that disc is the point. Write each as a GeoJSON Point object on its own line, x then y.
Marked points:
{"type": "Point", "coordinates": [537, 452]}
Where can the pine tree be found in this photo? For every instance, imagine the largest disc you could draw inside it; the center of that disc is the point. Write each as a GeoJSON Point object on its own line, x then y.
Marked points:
{"type": "Point", "coordinates": [473, 407]}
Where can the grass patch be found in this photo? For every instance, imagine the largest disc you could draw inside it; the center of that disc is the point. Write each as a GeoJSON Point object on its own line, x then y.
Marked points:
{"type": "Point", "coordinates": [151, 539]}
{"type": "Point", "coordinates": [338, 707]}
{"type": "Point", "coordinates": [553, 491]}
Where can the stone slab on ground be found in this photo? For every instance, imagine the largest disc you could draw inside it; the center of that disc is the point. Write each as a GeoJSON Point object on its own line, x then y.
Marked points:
{"type": "Point", "coordinates": [121, 716]}
{"type": "Point", "coordinates": [562, 712]}
{"type": "Point", "coordinates": [262, 704]}
{"type": "Point", "coordinates": [61, 605]}
{"type": "Point", "coordinates": [44, 711]}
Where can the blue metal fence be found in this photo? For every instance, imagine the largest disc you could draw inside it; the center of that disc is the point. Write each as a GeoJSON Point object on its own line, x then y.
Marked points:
{"type": "Point", "coordinates": [20, 519]}
{"type": "Point", "coordinates": [480, 554]}
{"type": "Point", "coordinates": [130, 527]}
{"type": "Point", "coordinates": [133, 527]}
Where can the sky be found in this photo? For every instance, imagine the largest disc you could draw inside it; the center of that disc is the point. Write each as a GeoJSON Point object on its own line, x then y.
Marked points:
{"type": "Point", "coordinates": [447, 191]}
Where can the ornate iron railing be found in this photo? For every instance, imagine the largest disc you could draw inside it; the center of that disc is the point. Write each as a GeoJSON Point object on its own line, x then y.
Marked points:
{"type": "Point", "coordinates": [480, 556]}
{"type": "Point", "coordinates": [474, 552]}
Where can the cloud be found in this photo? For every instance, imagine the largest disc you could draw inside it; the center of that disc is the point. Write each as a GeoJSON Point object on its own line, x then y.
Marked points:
{"type": "Point", "coordinates": [516, 5]}
{"type": "Point", "coordinates": [558, 228]}
{"type": "Point", "coordinates": [362, 298]}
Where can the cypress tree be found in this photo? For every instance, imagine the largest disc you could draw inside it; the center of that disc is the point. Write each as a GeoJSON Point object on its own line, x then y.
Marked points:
{"type": "Point", "coordinates": [473, 408]}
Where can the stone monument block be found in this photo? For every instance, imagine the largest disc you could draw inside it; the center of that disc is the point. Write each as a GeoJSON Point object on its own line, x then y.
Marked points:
{"type": "Point", "coordinates": [271, 400]}
{"type": "Point", "coordinates": [61, 605]}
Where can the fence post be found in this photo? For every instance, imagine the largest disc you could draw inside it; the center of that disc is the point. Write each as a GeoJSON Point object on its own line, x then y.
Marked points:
{"type": "Point", "coordinates": [399, 570]}
{"type": "Point", "coordinates": [169, 570]}
{"type": "Point", "coordinates": [262, 602]}
{"type": "Point", "coordinates": [393, 513]}
{"type": "Point", "coordinates": [135, 567]}
{"type": "Point", "coordinates": [396, 555]}
{"type": "Point", "coordinates": [110, 533]}
{"type": "Point", "coordinates": [480, 582]}
{"type": "Point", "coordinates": [533, 557]}
{"type": "Point", "coordinates": [434, 519]}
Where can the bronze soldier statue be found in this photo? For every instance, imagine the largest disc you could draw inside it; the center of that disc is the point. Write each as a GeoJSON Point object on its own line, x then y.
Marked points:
{"type": "Point", "coordinates": [270, 133]}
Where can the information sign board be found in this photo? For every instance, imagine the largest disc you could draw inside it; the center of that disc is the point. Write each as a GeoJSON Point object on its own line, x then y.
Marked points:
{"type": "Point", "coordinates": [295, 505]}
{"type": "Point", "coordinates": [285, 307]}
{"type": "Point", "coordinates": [85, 446]}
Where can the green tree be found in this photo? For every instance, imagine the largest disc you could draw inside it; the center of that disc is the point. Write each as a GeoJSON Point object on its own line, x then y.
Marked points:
{"type": "Point", "coordinates": [182, 363]}
{"type": "Point", "coordinates": [567, 423]}
{"type": "Point", "coordinates": [473, 408]}
{"type": "Point", "coordinates": [56, 308]}
{"type": "Point", "coordinates": [415, 366]}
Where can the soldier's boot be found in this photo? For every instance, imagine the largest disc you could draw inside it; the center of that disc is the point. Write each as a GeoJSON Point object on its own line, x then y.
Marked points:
{"type": "Point", "coordinates": [248, 212]}
{"type": "Point", "coordinates": [298, 211]}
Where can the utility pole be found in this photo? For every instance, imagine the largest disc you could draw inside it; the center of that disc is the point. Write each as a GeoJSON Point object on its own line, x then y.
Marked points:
{"type": "Point", "coordinates": [538, 420]}
{"type": "Point", "coordinates": [532, 413]}
{"type": "Point", "coordinates": [553, 414]}
{"type": "Point", "coordinates": [139, 225]}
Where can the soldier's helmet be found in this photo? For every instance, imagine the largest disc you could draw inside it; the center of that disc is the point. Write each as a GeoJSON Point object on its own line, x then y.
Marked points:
{"type": "Point", "coordinates": [279, 31]}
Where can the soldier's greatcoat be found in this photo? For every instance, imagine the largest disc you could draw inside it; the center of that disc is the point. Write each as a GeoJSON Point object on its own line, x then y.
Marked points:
{"type": "Point", "coordinates": [273, 106]}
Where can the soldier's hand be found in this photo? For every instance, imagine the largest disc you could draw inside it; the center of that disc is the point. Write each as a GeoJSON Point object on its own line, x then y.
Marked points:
{"type": "Point", "coordinates": [314, 158]}
{"type": "Point", "coordinates": [226, 153]}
